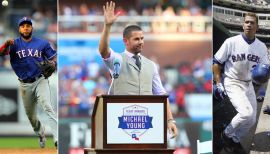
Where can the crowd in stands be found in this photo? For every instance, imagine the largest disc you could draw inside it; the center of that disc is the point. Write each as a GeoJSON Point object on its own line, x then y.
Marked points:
{"type": "Point", "coordinates": [79, 84]}
{"type": "Point", "coordinates": [44, 23]}
{"type": "Point", "coordinates": [152, 8]}
{"type": "Point", "coordinates": [144, 8]}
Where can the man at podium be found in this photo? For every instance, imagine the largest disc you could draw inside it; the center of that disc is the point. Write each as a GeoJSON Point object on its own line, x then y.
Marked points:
{"type": "Point", "coordinates": [133, 74]}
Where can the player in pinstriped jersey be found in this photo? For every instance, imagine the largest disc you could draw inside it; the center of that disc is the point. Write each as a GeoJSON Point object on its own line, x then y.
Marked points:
{"type": "Point", "coordinates": [240, 54]}
{"type": "Point", "coordinates": [25, 52]}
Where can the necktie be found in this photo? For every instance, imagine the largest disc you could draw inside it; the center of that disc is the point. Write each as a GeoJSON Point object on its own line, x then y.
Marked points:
{"type": "Point", "coordinates": [138, 61]}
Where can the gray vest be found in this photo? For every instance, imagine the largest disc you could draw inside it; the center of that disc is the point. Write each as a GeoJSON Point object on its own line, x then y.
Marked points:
{"type": "Point", "coordinates": [131, 80]}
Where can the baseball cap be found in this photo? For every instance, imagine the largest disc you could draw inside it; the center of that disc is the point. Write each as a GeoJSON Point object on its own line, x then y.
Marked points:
{"type": "Point", "coordinates": [25, 20]}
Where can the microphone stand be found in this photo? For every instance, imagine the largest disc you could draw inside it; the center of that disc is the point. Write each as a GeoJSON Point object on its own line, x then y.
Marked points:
{"type": "Point", "coordinates": [115, 75]}
{"type": "Point", "coordinates": [109, 91]}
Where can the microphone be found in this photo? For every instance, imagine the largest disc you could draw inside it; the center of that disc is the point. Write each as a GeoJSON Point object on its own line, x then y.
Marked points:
{"type": "Point", "coordinates": [116, 72]}
{"type": "Point", "coordinates": [116, 68]}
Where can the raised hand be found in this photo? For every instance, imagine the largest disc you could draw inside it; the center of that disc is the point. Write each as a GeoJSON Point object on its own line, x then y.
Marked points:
{"type": "Point", "coordinates": [109, 15]}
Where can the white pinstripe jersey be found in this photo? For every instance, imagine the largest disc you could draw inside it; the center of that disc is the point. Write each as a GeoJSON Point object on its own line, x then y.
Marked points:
{"type": "Point", "coordinates": [240, 57]}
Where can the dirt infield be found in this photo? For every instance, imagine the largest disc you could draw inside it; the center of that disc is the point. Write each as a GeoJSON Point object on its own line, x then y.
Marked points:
{"type": "Point", "coordinates": [28, 151]}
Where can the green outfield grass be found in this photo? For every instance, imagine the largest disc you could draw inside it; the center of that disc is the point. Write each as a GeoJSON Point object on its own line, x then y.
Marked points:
{"type": "Point", "coordinates": [23, 142]}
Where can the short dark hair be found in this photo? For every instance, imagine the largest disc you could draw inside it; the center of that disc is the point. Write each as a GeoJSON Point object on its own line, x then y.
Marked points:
{"type": "Point", "coordinates": [129, 29]}
{"type": "Point", "coordinates": [251, 14]}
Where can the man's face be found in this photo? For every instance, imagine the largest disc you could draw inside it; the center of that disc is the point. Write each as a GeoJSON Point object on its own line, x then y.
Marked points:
{"type": "Point", "coordinates": [135, 42]}
{"type": "Point", "coordinates": [25, 30]}
{"type": "Point", "coordinates": [250, 26]}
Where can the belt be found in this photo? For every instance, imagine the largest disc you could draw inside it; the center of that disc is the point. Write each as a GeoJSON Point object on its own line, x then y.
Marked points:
{"type": "Point", "coordinates": [30, 80]}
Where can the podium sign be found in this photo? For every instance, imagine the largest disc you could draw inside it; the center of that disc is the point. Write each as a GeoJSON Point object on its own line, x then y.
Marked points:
{"type": "Point", "coordinates": [135, 123]}
{"type": "Point", "coordinates": [125, 123]}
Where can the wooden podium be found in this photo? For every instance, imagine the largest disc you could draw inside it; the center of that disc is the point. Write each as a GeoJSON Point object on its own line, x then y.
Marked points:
{"type": "Point", "coordinates": [128, 124]}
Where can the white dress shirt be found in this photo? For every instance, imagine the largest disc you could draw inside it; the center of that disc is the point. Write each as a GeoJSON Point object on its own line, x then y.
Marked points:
{"type": "Point", "coordinates": [157, 87]}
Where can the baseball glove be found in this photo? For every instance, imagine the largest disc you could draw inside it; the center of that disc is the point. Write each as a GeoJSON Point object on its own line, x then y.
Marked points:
{"type": "Point", "coordinates": [47, 68]}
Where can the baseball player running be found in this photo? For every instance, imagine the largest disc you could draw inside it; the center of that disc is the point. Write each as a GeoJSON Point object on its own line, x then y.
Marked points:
{"type": "Point", "coordinates": [33, 60]}
{"type": "Point", "coordinates": [239, 54]}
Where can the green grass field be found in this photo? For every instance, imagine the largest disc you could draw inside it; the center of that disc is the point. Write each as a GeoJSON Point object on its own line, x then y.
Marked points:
{"type": "Point", "coordinates": [23, 142]}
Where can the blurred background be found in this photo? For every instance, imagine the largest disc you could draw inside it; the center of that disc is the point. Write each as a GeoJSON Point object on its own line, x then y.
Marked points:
{"type": "Point", "coordinates": [15, 128]}
{"type": "Point", "coordinates": [230, 13]}
{"type": "Point", "coordinates": [178, 36]}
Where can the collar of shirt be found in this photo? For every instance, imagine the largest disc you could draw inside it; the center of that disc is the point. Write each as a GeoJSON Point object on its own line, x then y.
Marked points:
{"type": "Point", "coordinates": [130, 55]}
{"type": "Point", "coordinates": [247, 40]}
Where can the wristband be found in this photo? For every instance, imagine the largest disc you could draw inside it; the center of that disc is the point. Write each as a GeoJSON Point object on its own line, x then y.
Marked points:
{"type": "Point", "coordinates": [172, 121]}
